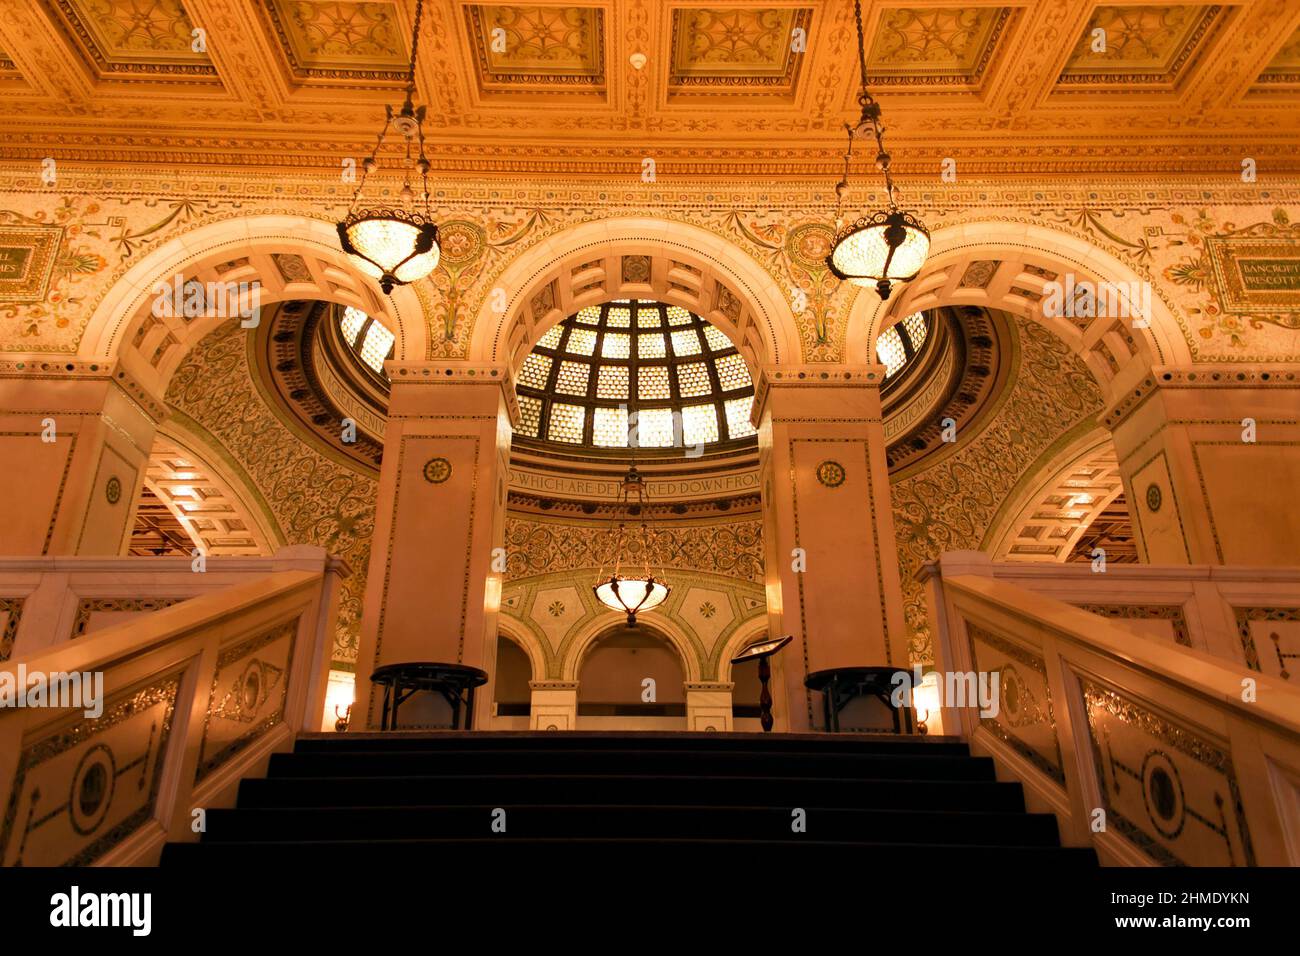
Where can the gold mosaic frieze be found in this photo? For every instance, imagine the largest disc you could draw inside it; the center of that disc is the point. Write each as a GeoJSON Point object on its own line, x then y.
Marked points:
{"type": "Point", "coordinates": [248, 694]}
{"type": "Point", "coordinates": [84, 785]}
{"type": "Point", "coordinates": [1170, 790]}
{"type": "Point", "coordinates": [1025, 720]}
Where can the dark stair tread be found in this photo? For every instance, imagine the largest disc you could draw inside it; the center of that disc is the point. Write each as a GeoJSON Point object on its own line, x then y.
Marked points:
{"type": "Point", "coordinates": [645, 741]}
{"type": "Point", "coordinates": [597, 797]}
{"type": "Point", "coordinates": [242, 853]}
{"type": "Point", "coordinates": [621, 763]}
{"type": "Point", "coordinates": [625, 790]}
{"type": "Point", "coordinates": [587, 820]}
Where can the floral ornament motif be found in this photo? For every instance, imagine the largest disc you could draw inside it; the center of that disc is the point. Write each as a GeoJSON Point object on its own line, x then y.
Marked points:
{"type": "Point", "coordinates": [437, 470]}
{"type": "Point", "coordinates": [707, 610]}
{"type": "Point", "coordinates": [113, 490]}
{"type": "Point", "coordinates": [556, 608]}
{"type": "Point", "coordinates": [1154, 497]}
{"type": "Point", "coordinates": [831, 474]}
{"type": "Point", "coordinates": [950, 506]}
{"type": "Point", "coordinates": [312, 499]}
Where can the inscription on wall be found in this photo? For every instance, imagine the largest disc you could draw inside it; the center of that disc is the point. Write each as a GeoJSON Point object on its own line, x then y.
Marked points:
{"type": "Point", "coordinates": [1255, 275]}
{"type": "Point", "coordinates": [658, 490]}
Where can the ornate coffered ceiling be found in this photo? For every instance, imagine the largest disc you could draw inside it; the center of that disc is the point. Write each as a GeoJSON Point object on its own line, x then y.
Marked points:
{"type": "Point", "coordinates": [134, 38]}
{"type": "Point", "coordinates": [340, 41]}
{"type": "Point", "coordinates": [723, 50]}
{"type": "Point", "coordinates": [727, 88]}
{"type": "Point", "coordinates": [537, 49]}
{"type": "Point", "coordinates": [949, 47]}
{"type": "Point", "coordinates": [1141, 47]}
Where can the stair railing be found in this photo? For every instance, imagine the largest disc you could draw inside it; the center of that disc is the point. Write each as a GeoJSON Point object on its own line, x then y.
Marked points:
{"type": "Point", "coordinates": [1151, 752]}
{"type": "Point", "coordinates": [114, 743]}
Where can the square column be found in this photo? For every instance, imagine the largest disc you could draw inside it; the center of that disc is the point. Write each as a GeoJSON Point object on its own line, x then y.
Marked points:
{"type": "Point", "coordinates": [828, 526]}
{"type": "Point", "coordinates": [76, 436]}
{"type": "Point", "coordinates": [1210, 460]}
{"type": "Point", "coordinates": [434, 589]}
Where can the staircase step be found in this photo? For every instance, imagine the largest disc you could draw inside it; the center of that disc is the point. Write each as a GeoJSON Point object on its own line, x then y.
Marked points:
{"type": "Point", "coordinates": [459, 854]}
{"type": "Point", "coordinates": [628, 790]}
{"type": "Point", "coordinates": [639, 742]}
{"type": "Point", "coordinates": [872, 766]}
{"type": "Point", "coordinates": [762, 823]}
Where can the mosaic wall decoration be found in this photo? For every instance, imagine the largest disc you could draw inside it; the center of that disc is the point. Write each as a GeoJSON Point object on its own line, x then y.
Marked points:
{"type": "Point", "coordinates": [314, 499]}
{"type": "Point", "coordinates": [950, 505]}
{"type": "Point", "coordinates": [732, 548]}
{"type": "Point", "coordinates": [12, 609]}
{"type": "Point", "coordinates": [1270, 639]}
{"type": "Point", "coordinates": [1025, 720]}
{"type": "Point", "coordinates": [1170, 789]}
{"type": "Point", "coordinates": [106, 229]}
{"type": "Point", "coordinates": [84, 785]}
{"type": "Point", "coordinates": [549, 611]}
{"type": "Point", "coordinates": [248, 695]}
{"type": "Point", "coordinates": [1173, 613]}
{"type": "Point", "coordinates": [88, 607]}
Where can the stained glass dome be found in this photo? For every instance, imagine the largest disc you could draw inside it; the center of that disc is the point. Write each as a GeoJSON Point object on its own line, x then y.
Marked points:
{"type": "Point", "coordinates": [369, 339]}
{"type": "Point", "coordinates": [901, 342]}
{"type": "Point", "coordinates": [635, 373]}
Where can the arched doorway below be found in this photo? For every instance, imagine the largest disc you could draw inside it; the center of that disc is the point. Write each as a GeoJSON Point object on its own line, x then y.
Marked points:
{"type": "Point", "coordinates": [512, 696]}
{"type": "Point", "coordinates": [631, 679]}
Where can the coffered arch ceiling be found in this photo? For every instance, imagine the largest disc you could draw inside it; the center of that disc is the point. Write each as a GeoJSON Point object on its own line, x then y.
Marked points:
{"type": "Point", "coordinates": [1057, 504]}
{"type": "Point", "coordinates": [1013, 267]}
{"type": "Point", "coordinates": [727, 87]}
{"type": "Point", "coordinates": [284, 257]}
{"type": "Point", "coordinates": [673, 262]}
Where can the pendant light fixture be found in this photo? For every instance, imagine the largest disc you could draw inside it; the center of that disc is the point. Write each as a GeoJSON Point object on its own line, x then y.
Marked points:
{"type": "Point", "coordinates": [396, 244]}
{"type": "Point", "coordinates": [641, 589]}
{"type": "Point", "coordinates": [886, 246]}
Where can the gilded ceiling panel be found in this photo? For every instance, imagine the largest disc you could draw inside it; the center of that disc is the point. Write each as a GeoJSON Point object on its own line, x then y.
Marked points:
{"type": "Point", "coordinates": [742, 50]}
{"type": "Point", "coordinates": [339, 39]}
{"type": "Point", "coordinates": [1148, 45]}
{"type": "Point", "coordinates": [130, 38]}
{"type": "Point", "coordinates": [537, 49]}
{"type": "Point", "coordinates": [935, 46]}
{"type": "Point", "coordinates": [1284, 68]}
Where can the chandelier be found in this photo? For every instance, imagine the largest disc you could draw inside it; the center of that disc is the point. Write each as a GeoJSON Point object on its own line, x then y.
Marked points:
{"type": "Point", "coordinates": [641, 589]}
{"type": "Point", "coordinates": [395, 244]}
{"type": "Point", "coordinates": [886, 246]}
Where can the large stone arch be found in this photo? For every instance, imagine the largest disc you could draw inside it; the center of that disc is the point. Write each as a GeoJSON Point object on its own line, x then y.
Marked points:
{"type": "Point", "coordinates": [674, 262]}
{"type": "Point", "coordinates": [576, 651]}
{"type": "Point", "coordinates": [1054, 504]}
{"type": "Point", "coordinates": [290, 257]}
{"type": "Point", "coordinates": [528, 642]}
{"type": "Point", "coordinates": [1006, 266]}
{"type": "Point", "coordinates": [213, 500]}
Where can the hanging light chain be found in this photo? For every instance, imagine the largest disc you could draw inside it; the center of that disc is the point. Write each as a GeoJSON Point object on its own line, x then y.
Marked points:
{"type": "Point", "coordinates": [869, 120]}
{"type": "Point", "coordinates": [415, 49]}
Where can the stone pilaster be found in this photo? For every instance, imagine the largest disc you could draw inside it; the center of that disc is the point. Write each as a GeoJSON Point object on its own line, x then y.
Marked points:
{"type": "Point", "coordinates": [75, 439]}
{"type": "Point", "coordinates": [434, 587]}
{"type": "Point", "coordinates": [831, 559]}
{"type": "Point", "coordinates": [1210, 460]}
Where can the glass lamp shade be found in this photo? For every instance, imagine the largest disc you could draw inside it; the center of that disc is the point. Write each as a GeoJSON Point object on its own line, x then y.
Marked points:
{"type": "Point", "coordinates": [391, 245]}
{"type": "Point", "coordinates": [879, 250]}
{"type": "Point", "coordinates": [631, 595]}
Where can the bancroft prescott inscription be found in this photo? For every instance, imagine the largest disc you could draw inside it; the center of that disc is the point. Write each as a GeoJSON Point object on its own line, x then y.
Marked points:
{"type": "Point", "coordinates": [1255, 275]}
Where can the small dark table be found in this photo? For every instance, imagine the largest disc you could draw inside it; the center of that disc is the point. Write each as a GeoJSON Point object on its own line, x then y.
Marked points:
{"type": "Point", "coordinates": [839, 685]}
{"type": "Point", "coordinates": [456, 682]}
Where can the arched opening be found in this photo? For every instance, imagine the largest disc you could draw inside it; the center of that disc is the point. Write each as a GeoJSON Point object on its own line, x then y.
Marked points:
{"type": "Point", "coordinates": [512, 695]}
{"type": "Point", "coordinates": [631, 678]}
